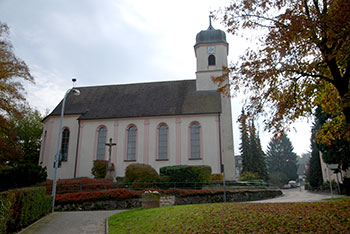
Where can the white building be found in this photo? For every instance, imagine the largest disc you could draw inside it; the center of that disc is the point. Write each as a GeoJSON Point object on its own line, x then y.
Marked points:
{"type": "Point", "coordinates": [162, 123]}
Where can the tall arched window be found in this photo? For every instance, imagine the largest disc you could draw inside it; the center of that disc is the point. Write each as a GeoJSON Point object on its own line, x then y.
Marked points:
{"type": "Point", "coordinates": [211, 60]}
{"type": "Point", "coordinates": [64, 144]}
{"type": "Point", "coordinates": [195, 141]}
{"type": "Point", "coordinates": [101, 144]}
{"type": "Point", "coordinates": [131, 151]}
{"type": "Point", "coordinates": [163, 142]}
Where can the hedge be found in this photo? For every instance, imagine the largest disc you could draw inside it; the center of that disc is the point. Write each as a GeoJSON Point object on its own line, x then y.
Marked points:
{"type": "Point", "coordinates": [19, 208]}
{"type": "Point", "coordinates": [187, 174]}
{"type": "Point", "coordinates": [140, 175]}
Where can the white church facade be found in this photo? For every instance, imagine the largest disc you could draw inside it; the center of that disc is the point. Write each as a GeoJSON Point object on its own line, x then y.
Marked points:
{"type": "Point", "coordinates": [183, 122]}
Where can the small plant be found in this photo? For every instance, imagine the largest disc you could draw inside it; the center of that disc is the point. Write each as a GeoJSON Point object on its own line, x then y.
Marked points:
{"type": "Point", "coordinates": [249, 176]}
{"type": "Point", "coordinates": [217, 177]}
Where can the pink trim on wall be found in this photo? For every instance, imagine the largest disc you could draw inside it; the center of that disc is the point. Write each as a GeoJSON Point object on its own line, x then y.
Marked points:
{"type": "Point", "coordinates": [96, 140]}
{"type": "Point", "coordinates": [126, 143]}
{"type": "Point", "coordinates": [157, 143]}
{"type": "Point", "coordinates": [146, 142]}
{"type": "Point", "coordinates": [218, 142]}
{"type": "Point", "coordinates": [200, 141]}
{"type": "Point", "coordinates": [178, 140]}
{"type": "Point", "coordinates": [79, 149]}
{"type": "Point", "coordinates": [115, 151]}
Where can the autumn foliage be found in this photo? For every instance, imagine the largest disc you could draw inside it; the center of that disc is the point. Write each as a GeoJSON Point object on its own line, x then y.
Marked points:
{"type": "Point", "coordinates": [302, 60]}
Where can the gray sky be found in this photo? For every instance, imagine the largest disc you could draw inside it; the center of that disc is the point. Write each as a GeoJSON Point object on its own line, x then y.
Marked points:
{"type": "Point", "coordinates": [114, 42]}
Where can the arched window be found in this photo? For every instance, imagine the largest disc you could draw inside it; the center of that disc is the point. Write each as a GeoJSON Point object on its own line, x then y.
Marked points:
{"type": "Point", "coordinates": [101, 144]}
{"type": "Point", "coordinates": [195, 140]}
{"type": "Point", "coordinates": [131, 151]}
{"type": "Point", "coordinates": [163, 142]}
{"type": "Point", "coordinates": [211, 60]}
{"type": "Point", "coordinates": [64, 144]}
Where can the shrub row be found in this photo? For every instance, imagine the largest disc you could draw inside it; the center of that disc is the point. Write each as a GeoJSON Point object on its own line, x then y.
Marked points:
{"type": "Point", "coordinates": [77, 185]}
{"type": "Point", "coordinates": [19, 208]}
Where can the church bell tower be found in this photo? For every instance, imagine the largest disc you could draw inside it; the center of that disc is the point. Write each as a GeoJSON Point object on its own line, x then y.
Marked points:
{"type": "Point", "coordinates": [211, 51]}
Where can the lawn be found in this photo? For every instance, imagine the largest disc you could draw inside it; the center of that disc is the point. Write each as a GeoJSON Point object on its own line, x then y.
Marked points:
{"type": "Point", "coordinates": [318, 217]}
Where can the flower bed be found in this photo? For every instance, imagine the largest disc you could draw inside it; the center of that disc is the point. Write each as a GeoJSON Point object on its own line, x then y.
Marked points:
{"type": "Point", "coordinates": [123, 198]}
{"type": "Point", "coordinates": [78, 185]}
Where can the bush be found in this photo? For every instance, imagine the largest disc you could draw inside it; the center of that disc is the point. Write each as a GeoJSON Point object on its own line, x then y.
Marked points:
{"type": "Point", "coordinates": [187, 176]}
{"type": "Point", "coordinates": [21, 175]}
{"type": "Point", "coordinates": [99, 170]}
{"type": "Point", "coordinates": [217, 177]}
{"type": "Point", "coordinates": [140, 175]}
{"type": "Point", "coordinates": [278, 178]}
{"type": "Point", "coordinates": [22, 207]}
{"type": "Point", "coordinates": [249, 176]}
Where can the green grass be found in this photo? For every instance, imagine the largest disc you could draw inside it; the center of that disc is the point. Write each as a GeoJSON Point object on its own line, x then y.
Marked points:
{"type": "Point", "coordinates": [320, 217]}
{"type": "Point", "coordinates": [338, 199]}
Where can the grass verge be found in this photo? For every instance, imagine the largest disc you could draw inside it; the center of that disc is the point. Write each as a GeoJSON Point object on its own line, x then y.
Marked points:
{"type": "Point", "coordinates": [318, 217]}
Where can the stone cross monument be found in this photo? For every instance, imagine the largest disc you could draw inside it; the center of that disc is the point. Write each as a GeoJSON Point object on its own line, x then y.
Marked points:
{"type": "Point", "coordinates": [110, 167]}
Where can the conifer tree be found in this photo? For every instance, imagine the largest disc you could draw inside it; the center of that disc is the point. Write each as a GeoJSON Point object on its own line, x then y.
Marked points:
{"type": "Point", "coordinates": [281, 158]}
{"type": "Point", "coordinates": [253, 157]}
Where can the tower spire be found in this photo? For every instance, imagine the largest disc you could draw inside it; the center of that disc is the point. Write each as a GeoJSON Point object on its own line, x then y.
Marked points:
{"type": "Point", "coordinates": [210, 26]}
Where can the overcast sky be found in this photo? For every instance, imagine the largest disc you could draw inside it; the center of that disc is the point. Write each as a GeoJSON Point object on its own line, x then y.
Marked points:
{"type": "Point", "coordinates": [104, 42]}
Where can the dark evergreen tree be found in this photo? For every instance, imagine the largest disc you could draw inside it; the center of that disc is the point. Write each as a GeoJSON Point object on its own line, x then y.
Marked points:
{"type": "Point", "coordinates": [244, 146]}
{"type": "Point", "coordinates": [253, 157]}
{"type": "Point", "coordinates": [314, 175]}
{"type": "Point", "coordinates": [281, 158]}
{"type": "Point", "coordinates": [257, 154]}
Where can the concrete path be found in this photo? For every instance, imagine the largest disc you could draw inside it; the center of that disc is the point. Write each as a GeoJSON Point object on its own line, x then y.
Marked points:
{"type": "Point", "coordinates": [297, 195]}
{"type": "Point", "coordinates": [74, 222]}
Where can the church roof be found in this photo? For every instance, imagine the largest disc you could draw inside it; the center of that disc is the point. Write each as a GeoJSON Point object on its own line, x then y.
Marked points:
{"type": "Point", "coordinates": [140, 100]}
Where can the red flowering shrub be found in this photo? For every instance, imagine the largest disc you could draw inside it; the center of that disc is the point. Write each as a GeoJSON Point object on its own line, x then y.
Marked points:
{"type": "Point", "coordinates": [113, 194]}
{"type": "Point", "coordinates": [78, 185]}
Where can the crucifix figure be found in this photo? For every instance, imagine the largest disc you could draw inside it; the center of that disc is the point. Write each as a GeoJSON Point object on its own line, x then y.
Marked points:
{"type": "Point", "coordinates": [110, 167]}
{"type": "Point", "coordinates": [110, 145]}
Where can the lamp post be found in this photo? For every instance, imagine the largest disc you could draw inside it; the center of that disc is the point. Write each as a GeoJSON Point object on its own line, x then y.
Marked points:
{"type": "Point", "coordinates": [57, 156]}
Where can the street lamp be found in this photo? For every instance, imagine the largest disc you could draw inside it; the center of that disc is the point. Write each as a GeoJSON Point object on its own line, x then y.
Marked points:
{"type": "Point", "coordinates": [57, 156]}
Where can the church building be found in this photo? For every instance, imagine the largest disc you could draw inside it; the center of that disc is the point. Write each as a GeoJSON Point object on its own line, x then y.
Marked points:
{"type": "Point", "coordinates": [185, 122]}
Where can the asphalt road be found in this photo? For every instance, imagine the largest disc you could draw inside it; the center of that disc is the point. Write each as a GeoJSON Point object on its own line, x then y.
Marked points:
{"type": "Point", "coordinates": [297, 195]}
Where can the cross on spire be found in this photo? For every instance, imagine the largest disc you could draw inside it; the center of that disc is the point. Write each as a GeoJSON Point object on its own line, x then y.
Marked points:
{"type": "Point", "coordinates": [210, 26]}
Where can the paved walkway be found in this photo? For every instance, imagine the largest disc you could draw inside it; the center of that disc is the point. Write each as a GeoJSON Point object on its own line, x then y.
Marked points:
{"type": "Point", "coordinates": [74, 222]}
{"type": "Point", "coordinates": [297, 195]}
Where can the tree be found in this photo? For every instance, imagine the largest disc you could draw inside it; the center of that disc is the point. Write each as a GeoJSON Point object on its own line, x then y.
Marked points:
{"type": "Point", "coordinates": [303, 60]}
{"type": "Point", "coordinates": [258, 155]}
{"type": "Point", "coordinates": [314, 175]}
{"type": "Point", "coordinates": [12, 72]}
{"type": "Point", "coordinates": [253, 157]}
{"type": "Point", "coordinates": [28, 130]}
{"type": "Point", "coordinates": [281, 158]}
{"type": "Point", "coordinates": [336, 153]}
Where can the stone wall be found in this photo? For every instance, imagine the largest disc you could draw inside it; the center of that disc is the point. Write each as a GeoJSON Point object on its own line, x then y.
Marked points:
{"type": "Point", "coordinates": [169, 200]}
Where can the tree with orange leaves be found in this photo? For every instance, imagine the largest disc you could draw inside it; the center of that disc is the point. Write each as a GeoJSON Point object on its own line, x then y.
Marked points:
{"type": "Point", "coordinates": [12, 72]}
{"type": "Point", "coordinates": [303, 60]}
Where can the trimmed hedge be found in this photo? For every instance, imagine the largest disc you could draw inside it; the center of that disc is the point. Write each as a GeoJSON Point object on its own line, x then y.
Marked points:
{"type": "Point", "coordinates": [19, 208]}
{"type": "Point", "coordinates": [187, 174]}
{"type": "Point", "coordinates": [141, 175]}
{"type": "Point", "coordinates": [99, 170]}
